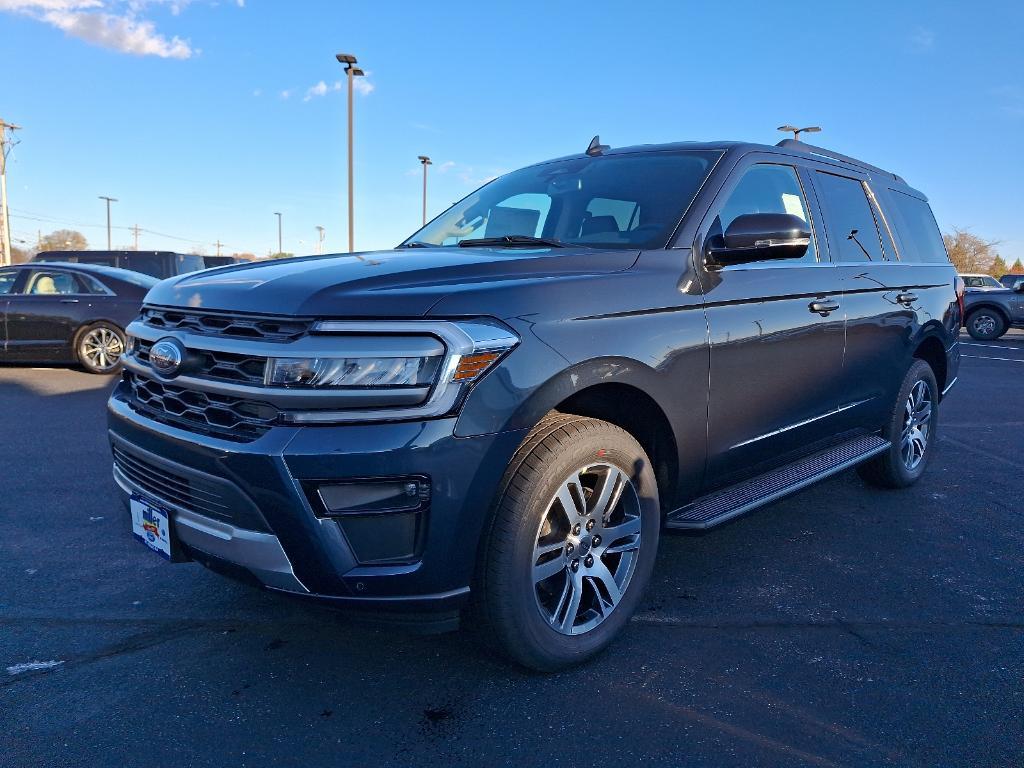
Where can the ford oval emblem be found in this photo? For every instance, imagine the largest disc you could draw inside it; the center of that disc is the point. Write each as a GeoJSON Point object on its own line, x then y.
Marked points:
{"type": "Point", "coordinates": [166, 356]}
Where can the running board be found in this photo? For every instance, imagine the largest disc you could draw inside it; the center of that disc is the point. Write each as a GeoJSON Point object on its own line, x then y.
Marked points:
{"type": "Point", "coordinates": [715, 508]}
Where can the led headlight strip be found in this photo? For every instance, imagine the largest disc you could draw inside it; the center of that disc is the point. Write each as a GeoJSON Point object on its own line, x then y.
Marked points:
{"type": "Point", "coordinates": [471, 348]}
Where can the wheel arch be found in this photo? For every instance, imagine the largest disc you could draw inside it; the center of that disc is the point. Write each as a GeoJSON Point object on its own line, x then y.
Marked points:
{"type": "Point", "coordinates": [997, 308]}
{"type": "Point", "coordinates": [931, 350]}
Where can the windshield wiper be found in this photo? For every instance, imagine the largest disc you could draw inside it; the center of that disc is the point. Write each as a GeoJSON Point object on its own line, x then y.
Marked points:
{"type": "Point", "coordinates": [417, 244]}
{"type": "Point", "coordinates": [511, 241]}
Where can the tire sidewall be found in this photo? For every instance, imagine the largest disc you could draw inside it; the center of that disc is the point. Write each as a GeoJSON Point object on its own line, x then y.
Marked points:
{"type": "Point", "coordinates": [606, 444]}
{"type": "Point", "coordinates": [998, 330]}
{"type": "Point", "coordinates": [84, 361]}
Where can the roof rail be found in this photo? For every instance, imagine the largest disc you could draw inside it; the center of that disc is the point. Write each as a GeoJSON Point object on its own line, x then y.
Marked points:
{"type": "Point", "coordinates": [810, 148]}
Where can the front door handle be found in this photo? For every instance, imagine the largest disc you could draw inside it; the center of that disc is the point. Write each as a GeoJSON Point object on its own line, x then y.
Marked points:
{"type": "Point", "coordinates": [906, 298]}
{"type": "Point", "coordinates": [824, 307]}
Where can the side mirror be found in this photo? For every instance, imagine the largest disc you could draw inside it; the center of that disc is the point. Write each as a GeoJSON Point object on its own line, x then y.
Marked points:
{"type": "Point", "coordinates": [760, 237]}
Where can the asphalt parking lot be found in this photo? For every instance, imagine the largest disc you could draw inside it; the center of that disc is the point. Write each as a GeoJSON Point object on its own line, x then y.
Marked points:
{"type": "Point", "coordinates": [843, 626]}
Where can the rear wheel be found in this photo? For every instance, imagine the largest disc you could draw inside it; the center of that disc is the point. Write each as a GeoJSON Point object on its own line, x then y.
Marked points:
{"type": "Point", "coordinates": [911, 430]}
{"type": "Point", "coordinates": [572, 544]}
{"type": "Point", "coordinates": [99, 347]}
{"type": "Point", "coordinates": [985, 324]}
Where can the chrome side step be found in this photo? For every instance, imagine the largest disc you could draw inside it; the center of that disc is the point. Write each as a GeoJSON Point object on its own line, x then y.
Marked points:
{"type": "Point", "coordinates": [725, 504]}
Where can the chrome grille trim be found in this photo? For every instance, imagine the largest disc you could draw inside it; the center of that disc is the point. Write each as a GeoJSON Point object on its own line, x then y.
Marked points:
{"type": "Point", "coordinates": [265, 328]}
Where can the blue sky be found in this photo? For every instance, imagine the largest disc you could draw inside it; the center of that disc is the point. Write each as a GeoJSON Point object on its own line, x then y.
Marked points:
{"type": "Point", "coordinates": [204, 118]}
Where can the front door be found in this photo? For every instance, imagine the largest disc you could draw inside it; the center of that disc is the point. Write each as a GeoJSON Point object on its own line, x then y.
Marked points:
{"type": "Point", "coordinates": [776, 333]}
{"type": "Point", "coordinates": [43, 313]}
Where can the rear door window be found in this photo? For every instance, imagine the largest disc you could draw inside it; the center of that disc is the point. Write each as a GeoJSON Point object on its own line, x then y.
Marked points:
{"type": "Point", "coordinates": [920, 239]}
{"type": "Point", "coordinates": [852, 231]}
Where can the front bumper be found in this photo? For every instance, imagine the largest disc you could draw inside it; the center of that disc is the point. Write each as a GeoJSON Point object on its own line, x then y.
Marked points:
{"type": "Point", "coordinates": [245, 504]}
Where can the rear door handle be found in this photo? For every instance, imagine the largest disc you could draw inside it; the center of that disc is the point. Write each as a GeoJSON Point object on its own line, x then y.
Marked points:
{"type": "Point", "coordinates": [906, 298]}
{"type": "Point", "coordinates": [824, 307]}
{"type": "Point", "coordinates": [69, 301]}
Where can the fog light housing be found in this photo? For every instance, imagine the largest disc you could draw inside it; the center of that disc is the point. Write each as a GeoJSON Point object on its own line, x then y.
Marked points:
{"type": "Point", "coordinates": [383, 519]}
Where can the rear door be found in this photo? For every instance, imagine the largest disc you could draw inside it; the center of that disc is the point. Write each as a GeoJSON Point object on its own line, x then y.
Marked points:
{"type": "Point", "coordinates": [886, 302]}
{"type": "Point", "coordinates": [775, 362]}
{"type": "Point", "coordinates": [48, 307]}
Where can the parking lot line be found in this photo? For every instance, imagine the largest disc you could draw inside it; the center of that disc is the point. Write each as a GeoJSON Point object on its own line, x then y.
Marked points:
{"type": "Point", "coordinates": [992, 346]}
{"type": "Point", "coordinates": [1004, 359]}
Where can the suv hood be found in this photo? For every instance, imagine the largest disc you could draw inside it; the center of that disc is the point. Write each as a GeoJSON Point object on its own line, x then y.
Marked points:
{"type": "Point", "coordinates": [399, 283]}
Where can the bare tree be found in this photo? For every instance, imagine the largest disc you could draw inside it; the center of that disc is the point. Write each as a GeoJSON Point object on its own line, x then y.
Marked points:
{"type": "Point", "coordinates": [19, 255]}
{"type": "Point", "coordinates": [969, 253]}
{"type": "Point", "coordinates": [64, 240]}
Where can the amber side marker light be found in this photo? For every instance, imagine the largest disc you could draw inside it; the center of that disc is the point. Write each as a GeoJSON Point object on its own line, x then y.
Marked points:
{"type": "Point", "coordinates": [472, 366]}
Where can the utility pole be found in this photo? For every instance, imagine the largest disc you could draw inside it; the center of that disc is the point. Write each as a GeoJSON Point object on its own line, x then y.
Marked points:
{"type": "Point", "coordinates": [218, 244]}
{"type": "Point", "coordinates": [135, 233]}
{"type": "Point", "coordinates": [320, 241]}
{"type": "Point", "coordinates": [5, 212]}
{"type": "Point", "coordinates": [280, 249]}
{"type": "Point", "coordinates": [425, 161]}
{"type": "Point", "coordinates": [352, 71]}
{"type": "Point", "coordinates": [109, 201]}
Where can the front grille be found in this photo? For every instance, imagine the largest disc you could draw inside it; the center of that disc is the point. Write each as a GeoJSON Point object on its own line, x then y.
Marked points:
{"type": "Point", "coordinates": [222, 416]}
{"type": "Point", "coordinates": [169, 486]}
{"type": "Point", "coordinates": [267, 328]}
{"type": "Point", "coordinates": [189, 489]}
{"type": "Point", "coordinates": [208, 364]}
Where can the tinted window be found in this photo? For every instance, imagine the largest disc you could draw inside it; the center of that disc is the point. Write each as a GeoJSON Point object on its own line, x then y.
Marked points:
{"type": "Point", "coordinates": [47, 282]}
{"type": "Point", "coordinates": [765, 188]}
{"type": "Point", "coordinates": [919, 235]}
{"type": "Point", "coordinates": [146, 263]}
{"type": "Point", "coordinates": [7, 278]}
{"type": "Point", "coordinates": [610, 201]}
{"type": "Point", "coordinates": [189, 263]}
{"type": "Point", "coordinates": [91, 285]}
{"type": "Point", "coordinates": [852, 234]}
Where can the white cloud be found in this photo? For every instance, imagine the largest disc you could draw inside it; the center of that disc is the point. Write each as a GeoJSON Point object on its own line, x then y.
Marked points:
{"type": "Point", "coordinates": [922, 39]}
{"type": "Point", "coordinates": [113, 24]}
{"type": "Point", "coordinates": [359, 85]}
{"type": "Point", "coordinates": [286, 94]}
{"type": "Point", "coordinates": [120, 33]}
{"type": "Point", "coordinates": [446, 166]}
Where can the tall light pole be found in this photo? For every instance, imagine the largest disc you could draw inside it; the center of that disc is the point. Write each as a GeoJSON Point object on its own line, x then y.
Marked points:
{"type": "Point", "coordinates": [320, 241]}
{"type": "Point", "coordinates": [797, 131]}
{"type": "Point", "coordinates": [5, 231]}
{"type": "Point", "coordinates": [425, 161]}
{"type": "Point", "coordinates": [280, 249]}
{"type": "Point", "coordinates": [352, 72]}
{"type": "Point", "coordinates": [109, 201]}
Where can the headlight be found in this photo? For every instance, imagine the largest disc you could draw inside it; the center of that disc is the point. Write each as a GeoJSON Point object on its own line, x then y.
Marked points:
{"type": "Point", "coordinates": [352, 371]}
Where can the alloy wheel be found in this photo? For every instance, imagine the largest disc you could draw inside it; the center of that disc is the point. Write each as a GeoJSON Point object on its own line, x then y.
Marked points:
{"type": "Point", "coordinates": [587, 548]}
{"type": "Point", "coordinates": [102, 348]}
{"type": "Point", "coordinates": [917, 416]}
{"type": "Point", "coordinates": [984, 325]}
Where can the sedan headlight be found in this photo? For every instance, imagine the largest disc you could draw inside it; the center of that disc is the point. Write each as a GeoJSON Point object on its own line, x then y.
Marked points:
{"type": "Point", "coordinates": [352, 371]}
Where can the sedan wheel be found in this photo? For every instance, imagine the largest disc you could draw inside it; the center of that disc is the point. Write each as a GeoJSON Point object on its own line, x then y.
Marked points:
{"type": "Point", "coordinates": [100, 348]}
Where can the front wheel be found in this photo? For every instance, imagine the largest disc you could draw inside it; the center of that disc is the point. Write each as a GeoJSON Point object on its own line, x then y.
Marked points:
{"type": "Point", "coordinates": [99, 347]}
{"type": "Point", "coordinates": [572, 544]}
{"type": "Point", "coordinates": [911, 430]}
{"type": "Point", "coordinates": [985, 325]}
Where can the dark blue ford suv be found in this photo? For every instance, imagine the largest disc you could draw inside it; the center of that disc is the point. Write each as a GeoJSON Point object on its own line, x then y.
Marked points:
{"type": "Point", "coordinates": [495, 421]}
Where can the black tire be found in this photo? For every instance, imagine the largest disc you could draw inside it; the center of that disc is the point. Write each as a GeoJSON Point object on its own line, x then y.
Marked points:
{"type": "Point", "coordinates": [509, 606]}
{"type": "Point", "coordinates": [891, 468]}
{"type": "Point", "coordinates": [99, 347]}
{"type": "Point", "coordinates": [986, 324]}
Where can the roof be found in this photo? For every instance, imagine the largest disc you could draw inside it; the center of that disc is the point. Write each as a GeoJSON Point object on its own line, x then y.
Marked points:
{"type": "Point", "coordinates": [785, 147]}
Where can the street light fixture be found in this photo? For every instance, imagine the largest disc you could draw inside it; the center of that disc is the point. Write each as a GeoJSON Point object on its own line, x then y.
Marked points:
{"type": "Point", "coordinates": [352, 72]}
{"type": "Point", "coordinates": [797, 131]}
{"type": "Point", "coordinates": [425, 161]}
{"type": "Point", "coordinates": [280, 249]}
{"type": "Point", "coordinates": [109, 201]}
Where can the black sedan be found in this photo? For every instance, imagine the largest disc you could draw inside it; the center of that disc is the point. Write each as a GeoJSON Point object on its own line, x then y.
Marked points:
{"type": "Point", "coordinates": [68, 313]}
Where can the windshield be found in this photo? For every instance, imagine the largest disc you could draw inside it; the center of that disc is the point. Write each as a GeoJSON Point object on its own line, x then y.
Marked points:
{"type": "Point", "coordinates": [613, 201]}
{"type": "Point", "coordinates": [981, 281]}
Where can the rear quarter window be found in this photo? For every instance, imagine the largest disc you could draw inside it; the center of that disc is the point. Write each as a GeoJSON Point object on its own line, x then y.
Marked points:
{"type": "Point", "coordinates": [920, 239]}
